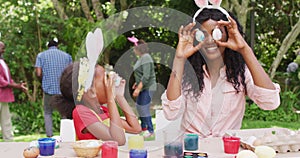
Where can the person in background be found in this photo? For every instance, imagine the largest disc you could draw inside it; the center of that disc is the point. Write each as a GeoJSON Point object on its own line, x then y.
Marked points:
{"type": "Point", "coordinates": [6, 96]}
{"type": "Point", "coordinates": [49, 66]}
{"type": "Point", "coordinates": [214, 69]}
{"type": "Point", "coordinates": [144, 86]}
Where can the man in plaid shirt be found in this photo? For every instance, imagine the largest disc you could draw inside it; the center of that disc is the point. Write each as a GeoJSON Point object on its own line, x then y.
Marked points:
{"type": "Point", "coordinates": [49, 66]}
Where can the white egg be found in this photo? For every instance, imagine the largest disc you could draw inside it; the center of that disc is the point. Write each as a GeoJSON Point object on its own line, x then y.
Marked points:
{"type": "Point", "coordinates": [92, 144]}
{"type": "Point", "coordinates": [217, 34]}
{"type": "Point", "coordinates": [199, 35]}
{"type": "Point", "coordinates": [268, 138]}
{"type": "Point", "coordinates": [257, 142]}
{"type": "Point", "coordinates": [251, 140]}
{"type": "Point", "coordinates": [264, 152]}
{"type": "Point", "coordinates": [246, 154]}
{"type": "Point", "coordinates": [111, 73]}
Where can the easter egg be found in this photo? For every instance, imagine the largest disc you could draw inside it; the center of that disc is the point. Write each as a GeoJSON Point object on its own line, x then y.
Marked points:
{"type": "Point", "coordinates": [217, 34]}
{"type": "Point", "coordinates": [257, 142]}
{"type": "Point", "coordinates": [264, 152]}
{"type": "Point", "coordinates": [246, 154]}
{"type": "Point", "coordinates": [199, 35]}
{"type": "Point", "coordinates": [31, 152]}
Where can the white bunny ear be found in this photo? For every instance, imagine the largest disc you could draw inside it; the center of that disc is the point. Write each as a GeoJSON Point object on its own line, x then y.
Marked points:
{"type": "Point", "coordinates": [94, 45]}
{"type": "Point", "coordinates": [216, 3]}
{"type": "Point", "coordinates": [201, 3]}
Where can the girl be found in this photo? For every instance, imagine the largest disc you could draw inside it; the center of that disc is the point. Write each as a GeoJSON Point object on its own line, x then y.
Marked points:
{"type": "Point", "coordinates": [93, 120]}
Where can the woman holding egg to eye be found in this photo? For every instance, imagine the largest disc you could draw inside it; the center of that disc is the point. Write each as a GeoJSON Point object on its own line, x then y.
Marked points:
{"type": "Point", "coordinates": [214, 69]}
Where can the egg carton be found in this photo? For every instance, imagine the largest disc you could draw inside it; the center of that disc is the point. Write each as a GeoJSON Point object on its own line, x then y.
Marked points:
{"type": "Point", "coordinates": [282, 140]}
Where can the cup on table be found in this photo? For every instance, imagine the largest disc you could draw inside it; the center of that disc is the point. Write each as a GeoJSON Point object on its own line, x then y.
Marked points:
{"type": "Point", "coordinates": [231, 144]}
{"type": "Point", "coordinates": [173, 143]}
{"type": "Point", "coordinates": [109, 149]}
{"type": "Point", "coordinates": [135, 142]}
{"type": "Point", "coordinates": [191, 141]}
{"type": "Point", "coordinates": [136, 153]}
{"type": "Point", "coordinates": [46, 146]}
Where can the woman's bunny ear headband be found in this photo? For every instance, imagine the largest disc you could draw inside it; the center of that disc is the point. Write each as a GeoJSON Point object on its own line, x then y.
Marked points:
{"type": "Point", "coordinates": [217, 34]}
{"type": "Point", "coordinates": [94, 45]}
{"type": "Point", "coordinates": [204, 4]}
{"type": "Point", "coordinates": [133, 40]}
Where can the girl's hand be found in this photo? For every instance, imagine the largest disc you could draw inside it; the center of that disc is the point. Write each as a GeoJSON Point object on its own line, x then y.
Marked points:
{"type": "Point", "coordinates": [109, 85]}
{"type": "Point", "coordinates": [121, 88]}
{"type": "Point", "coordinates": [235, 40]}
{"type": "Point", "coordinates": [185, 47]}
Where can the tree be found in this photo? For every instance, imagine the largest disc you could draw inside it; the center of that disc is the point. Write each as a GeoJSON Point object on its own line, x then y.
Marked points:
{"type": "Point", "coordinates": [277, 33]}
{"type": "Point", "coordinates": [240, 8]}
{"type": "Point", "coordinates": [289, 39]}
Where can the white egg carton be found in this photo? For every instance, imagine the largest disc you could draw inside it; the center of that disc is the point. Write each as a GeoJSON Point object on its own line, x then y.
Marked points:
{"type": "Point", "coordinates": [282, 140]}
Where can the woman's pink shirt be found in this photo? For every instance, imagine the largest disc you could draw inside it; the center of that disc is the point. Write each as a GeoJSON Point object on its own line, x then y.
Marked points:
{"type": "Point", "coordinates": [230, 115]}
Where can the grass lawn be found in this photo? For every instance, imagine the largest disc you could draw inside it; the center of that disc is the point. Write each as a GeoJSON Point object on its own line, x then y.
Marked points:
{"type": "Point", "coordinates": [267, 124]}
{"type": "Point", "coordinates": [245, 125]}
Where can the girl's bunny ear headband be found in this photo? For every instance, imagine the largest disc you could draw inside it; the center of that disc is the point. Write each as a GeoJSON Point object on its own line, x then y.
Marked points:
{"type": "Point", "coordinates": [204, 4]}
{"type": "Point", "coordinates": [94, 46]}
{"type": "Point", "coordinates": [217, 34]}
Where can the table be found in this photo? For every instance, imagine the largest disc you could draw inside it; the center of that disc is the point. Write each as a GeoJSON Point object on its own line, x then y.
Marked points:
{"type": "Point", "coordinates": [212, 146]}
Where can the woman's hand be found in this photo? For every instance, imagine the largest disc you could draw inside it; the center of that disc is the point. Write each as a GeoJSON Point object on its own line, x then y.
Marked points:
{"type": "Point", "coordinates": [185, 47]}
{"type": "Point", "coordinates": [235, 40]}
{"type": "Point", "coordinates": [134, 86]}
{"type": "Point", "coordinates": [136, 92]}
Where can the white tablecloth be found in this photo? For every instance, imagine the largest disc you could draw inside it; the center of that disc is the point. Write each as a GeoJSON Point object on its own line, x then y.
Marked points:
{"type": "Point", "coordinates": [212, 146]}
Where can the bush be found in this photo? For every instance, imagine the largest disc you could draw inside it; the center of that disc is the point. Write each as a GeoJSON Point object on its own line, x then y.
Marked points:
{"type": "Point", "coordinates": [28, 118]}
{"type": "Point", "coordinates": [284, 113]}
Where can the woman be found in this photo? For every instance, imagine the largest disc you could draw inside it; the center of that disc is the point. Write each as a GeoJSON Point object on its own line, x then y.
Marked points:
{"type": "Point", "coordinates": [93, 120]}
{"type": "Point", "coordinates": [144, 86]}
{"type": "Point", "coordinates": [211, 79]}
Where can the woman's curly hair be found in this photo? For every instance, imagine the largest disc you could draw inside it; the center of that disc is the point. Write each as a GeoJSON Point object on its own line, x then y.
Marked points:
{"type": "Point", "coordinates": [234, 62]}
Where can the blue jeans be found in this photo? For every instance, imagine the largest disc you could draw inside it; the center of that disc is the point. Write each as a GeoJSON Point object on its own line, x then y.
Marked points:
{"type": "Point", "coordinates": [143, 103]}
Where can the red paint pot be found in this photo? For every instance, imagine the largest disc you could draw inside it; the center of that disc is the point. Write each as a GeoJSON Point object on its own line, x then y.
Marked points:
{"type": "Point", "coordinates": [231, 144]}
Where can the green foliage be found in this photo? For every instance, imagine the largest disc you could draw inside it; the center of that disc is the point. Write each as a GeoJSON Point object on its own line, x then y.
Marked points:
{"type": "Point", "coordinates": [273, 20]}
{"type": "Point", "coordinates": [284, 113]}
{"type": "Point", "coordinates": [73, 34]}
{"type": "Point", "coordinates": [109, 8]}
{"type": "Point", "coordinates": [28, 118]}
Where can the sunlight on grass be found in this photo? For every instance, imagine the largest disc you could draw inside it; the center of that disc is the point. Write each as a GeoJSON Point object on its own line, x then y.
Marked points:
{"type": "Point", "coordinates": [28, 138]}
{"type": "Point", "coordinates": [270, 124]}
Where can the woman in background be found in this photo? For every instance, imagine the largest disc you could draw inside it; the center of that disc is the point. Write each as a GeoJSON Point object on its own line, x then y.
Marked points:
{"type": "Point", "coordinates": [144, 86]}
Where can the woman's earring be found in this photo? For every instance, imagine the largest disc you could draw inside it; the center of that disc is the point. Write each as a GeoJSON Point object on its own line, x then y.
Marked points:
{"type": "Point", "coordinates": [199, 36]}
{"type": "Point", "coordinates": [217, 34]}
